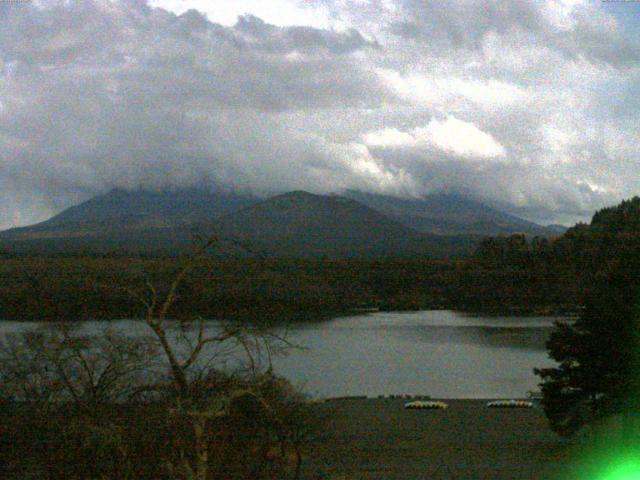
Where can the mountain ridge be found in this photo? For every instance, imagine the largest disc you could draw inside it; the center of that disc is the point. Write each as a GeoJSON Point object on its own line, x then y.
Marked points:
{"type": "Point", "coordinates": [448, 214]}
{"type": "Point", "coordinates": [303, 224]}
{"type": "Point", "coordinates": [295, 223]}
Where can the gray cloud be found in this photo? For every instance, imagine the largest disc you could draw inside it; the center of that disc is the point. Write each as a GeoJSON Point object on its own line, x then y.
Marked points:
{"type": "Point", "coordinates": [583, 32]}
{"type": "Point", "coordinates": [99, 94]}
{"type": "Point", "coordinates": [462, 23]}
{"type": "Point", "coordinates": [252, 31]}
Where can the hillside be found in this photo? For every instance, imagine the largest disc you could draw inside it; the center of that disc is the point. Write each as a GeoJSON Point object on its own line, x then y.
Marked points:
{"type": "Point", "coordinates": [512, 271]}
{"type": "Point", "coordinates": [612, 236]}
{"type": "Point", "coordinates": [138, 210]}
{"type": "Point", "coordinates": [138, 221]}
{"type": "Point", "coordinates": [303, 224]}
{"type": "Point", "coordinates": [296, 223]}
{"type": "Point", "coordinates": [292, 224]}
{"type": "Point", "coordinates": [449, 214]}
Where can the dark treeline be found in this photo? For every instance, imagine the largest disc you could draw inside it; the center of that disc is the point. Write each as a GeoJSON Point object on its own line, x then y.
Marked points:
{"type": "Point", "coordinates": [273, 290]}
{"type": "Point", "coordinates": [81, 288]}
{"type": "Point", "coordinates": [516, 274]}
{"type": "Point", "coordinates": [569, 266]}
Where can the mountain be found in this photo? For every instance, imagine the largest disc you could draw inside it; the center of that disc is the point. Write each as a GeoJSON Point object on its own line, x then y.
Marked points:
{"type": "Point", "coordinates": [557, 229]}
{"type": "Point", "coordinates": [302, 224]}
{"type": "Point", "coordinates": [146, 209]}
{"type": "Point", "coordinates": [450, 214]}
{"type": "Point", "coordinates": [292, 224]}
{"type": "Point", "coordinates": [136, 221]}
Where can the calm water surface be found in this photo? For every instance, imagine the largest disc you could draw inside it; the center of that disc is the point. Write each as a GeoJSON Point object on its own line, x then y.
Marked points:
{"type": "Point", "coordinates": [439, 353]}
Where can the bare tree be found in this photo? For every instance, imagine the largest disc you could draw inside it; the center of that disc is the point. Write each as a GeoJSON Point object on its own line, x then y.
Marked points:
{"type": "Point", "coordinates": [208, 421]}
{"type": "Point", "coordinates": [62, 384]}
{"type": "Point", "coordinates": [199, 347]}
{"type": "Point", "coordinates": [58, 363]}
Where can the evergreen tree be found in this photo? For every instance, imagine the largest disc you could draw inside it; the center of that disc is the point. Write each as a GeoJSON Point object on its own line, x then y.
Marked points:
{"type": "Point", "coordinates": [598, 356]}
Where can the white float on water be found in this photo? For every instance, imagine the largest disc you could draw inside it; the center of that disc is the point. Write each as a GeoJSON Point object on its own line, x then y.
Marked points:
{"type": "Point", "coordinates": [421, 404]}
{"type": "Point", "coordinates": [510, 404]}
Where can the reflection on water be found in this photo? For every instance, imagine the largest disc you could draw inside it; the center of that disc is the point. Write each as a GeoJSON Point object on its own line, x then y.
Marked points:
{"type": "Point", "coordinates": [439, 353]}
{"type": "Point", "coordinates": [530, 338]}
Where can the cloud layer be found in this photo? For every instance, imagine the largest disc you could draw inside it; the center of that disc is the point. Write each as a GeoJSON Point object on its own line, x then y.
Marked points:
{"type": "Point", "coordinates": [527, 104]}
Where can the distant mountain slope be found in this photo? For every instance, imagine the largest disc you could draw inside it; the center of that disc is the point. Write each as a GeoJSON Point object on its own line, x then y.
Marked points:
{"type": "Point", "coordinates": [303, 224]}
{"type": "Point", "coordinates": [136, 221]}
{"type": "Point", "coordinates": [145, 209]}
{"type": "Point", "coordinates": [448, 214]}
{"type": "Point", "coordinates": [292, 224]}
{"type": "Point", "coordinates": [556, 229]}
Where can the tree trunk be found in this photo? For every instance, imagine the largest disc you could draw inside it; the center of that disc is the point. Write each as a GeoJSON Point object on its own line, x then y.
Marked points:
{"type": "Point", "coordinates": [202, 448]}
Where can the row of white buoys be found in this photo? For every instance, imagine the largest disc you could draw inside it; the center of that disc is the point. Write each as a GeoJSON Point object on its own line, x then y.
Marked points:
{"type": "Point", "coordinates": [426, 405]}
{"type": "Point", "coordinates": [510, 404]}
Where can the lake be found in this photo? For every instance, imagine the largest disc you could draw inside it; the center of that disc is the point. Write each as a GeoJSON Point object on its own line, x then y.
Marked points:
{"type": "Point", "coordinates": [439, 353]}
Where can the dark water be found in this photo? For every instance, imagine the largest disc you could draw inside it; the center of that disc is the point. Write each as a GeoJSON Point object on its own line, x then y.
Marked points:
{"type": "Point", "coordinates": [439, 353]}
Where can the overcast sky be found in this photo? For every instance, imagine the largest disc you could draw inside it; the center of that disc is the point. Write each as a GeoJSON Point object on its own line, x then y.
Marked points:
{"type": "Point", "coordinates": [532, 105]}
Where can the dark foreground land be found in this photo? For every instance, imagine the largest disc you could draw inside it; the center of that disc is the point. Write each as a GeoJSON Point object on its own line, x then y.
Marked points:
{"type": "Point", "coordinates": [378, 439]}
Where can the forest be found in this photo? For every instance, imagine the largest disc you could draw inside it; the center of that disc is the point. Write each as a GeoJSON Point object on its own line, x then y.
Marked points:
{"type": "Point", "coordinates": [36, 288]}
